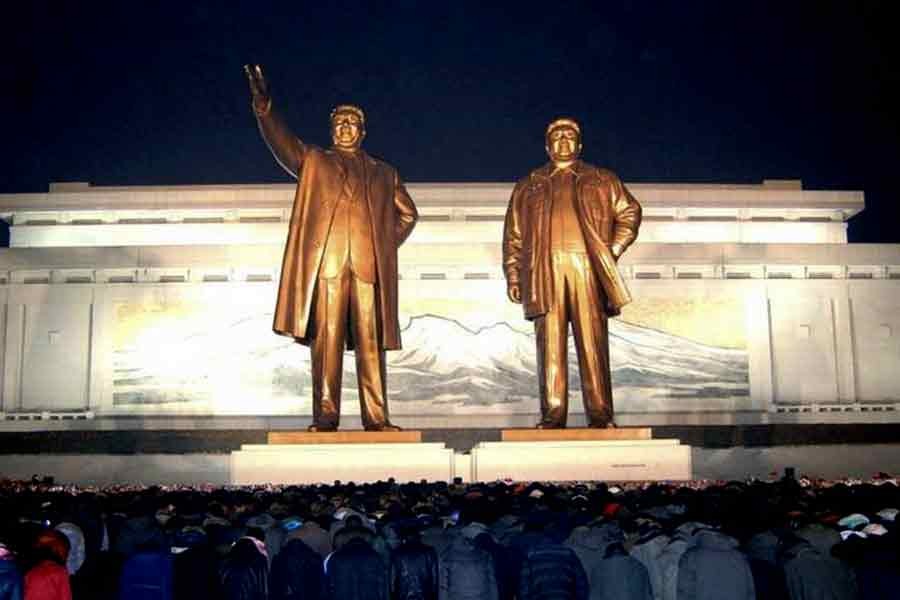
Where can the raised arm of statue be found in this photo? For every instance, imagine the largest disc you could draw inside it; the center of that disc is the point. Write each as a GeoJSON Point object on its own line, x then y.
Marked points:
{"type": "Point", "coordinates": [287, 148]}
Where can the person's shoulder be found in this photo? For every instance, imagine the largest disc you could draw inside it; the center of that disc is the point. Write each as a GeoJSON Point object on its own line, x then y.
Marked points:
{"type": "Point", "coordinates": [319, 152]}
{"type": "Point", "coordinates": [377, 162]}
{"type": "Point", "coordinates": [542, 172]}
{"type": "Point", "coordinates": [600, 173]}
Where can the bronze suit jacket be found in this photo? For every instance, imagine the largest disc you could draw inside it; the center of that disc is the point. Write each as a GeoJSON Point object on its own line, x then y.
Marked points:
{"type": "Point", "coordinates": [320, 182]}
{"type": "Point", "coordinates": [607, 212]}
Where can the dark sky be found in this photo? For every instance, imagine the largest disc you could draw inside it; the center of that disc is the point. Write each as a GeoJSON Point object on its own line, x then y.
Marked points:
{"type": "Point", "coordinates": [152, 93]}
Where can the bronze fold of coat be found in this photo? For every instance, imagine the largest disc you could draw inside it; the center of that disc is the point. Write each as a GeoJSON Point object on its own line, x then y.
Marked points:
{"type": "Point", "coordinates": [609, 217]}
{"type": "Point", "coordinates": [321, 178]}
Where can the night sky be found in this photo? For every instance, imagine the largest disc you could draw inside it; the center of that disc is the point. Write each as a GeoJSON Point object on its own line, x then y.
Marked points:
{"type": "Point", "coordinates": [152, 93]}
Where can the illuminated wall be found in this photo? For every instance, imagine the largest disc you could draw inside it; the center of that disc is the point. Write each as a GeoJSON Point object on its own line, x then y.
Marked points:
{"type": "Point", "coordinates": [161, 304]}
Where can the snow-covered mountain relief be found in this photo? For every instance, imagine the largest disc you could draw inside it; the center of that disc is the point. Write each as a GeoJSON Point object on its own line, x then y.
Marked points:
{"type": "Point", "coordinates": [451, 366]}
{"type": "Point", "coordinates": [239, 366]}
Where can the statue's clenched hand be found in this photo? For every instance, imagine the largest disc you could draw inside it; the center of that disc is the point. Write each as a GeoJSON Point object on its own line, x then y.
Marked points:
{"type": "Point", "coordinates": [514, 293]}
{"type": "Point", "coordinates": [259, 89]}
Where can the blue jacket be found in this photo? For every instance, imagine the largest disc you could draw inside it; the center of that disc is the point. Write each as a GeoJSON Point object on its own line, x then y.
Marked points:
{"type": "Point", "coordinates": [552, 571]}
{"type": "Point", "coordinates": [11, 586]}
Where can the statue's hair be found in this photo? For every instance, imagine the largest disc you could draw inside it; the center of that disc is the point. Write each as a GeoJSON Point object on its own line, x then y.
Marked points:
{"type": "Point", "coordinates": [350, 108]}
{"type": "Point", "coordinates": [563, 122]}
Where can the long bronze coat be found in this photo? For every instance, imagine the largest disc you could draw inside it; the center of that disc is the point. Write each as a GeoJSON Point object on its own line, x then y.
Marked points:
{"type": "Point", "coordinates": [607, 212]}
{"type": "Point", "coordinates": [320, 181]}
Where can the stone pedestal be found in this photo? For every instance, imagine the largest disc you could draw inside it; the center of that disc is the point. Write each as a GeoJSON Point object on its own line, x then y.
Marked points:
{"type": "Point", "coordinates": [581, 460]}
{"type": "Point", "coordinates": [324, 463]}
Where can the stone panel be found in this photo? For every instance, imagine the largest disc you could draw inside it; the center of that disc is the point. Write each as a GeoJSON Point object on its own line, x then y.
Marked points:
{"type": "Point", "coordinates": [54, 357]}
{"type": "Point", "coordinates": [803, 350]}
{"type": "Point", "coordinates": [876, 341]}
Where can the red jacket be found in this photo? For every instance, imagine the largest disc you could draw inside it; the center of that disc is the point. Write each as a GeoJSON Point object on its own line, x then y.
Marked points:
{"type": "Point", "coordinates": [47, 581]}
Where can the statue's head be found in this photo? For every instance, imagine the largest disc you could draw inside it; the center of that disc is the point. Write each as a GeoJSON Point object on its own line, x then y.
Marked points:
{"type": "Point", "coordinates": [563, 140]}
{"type": "Point", "coordinates": [348, 126]}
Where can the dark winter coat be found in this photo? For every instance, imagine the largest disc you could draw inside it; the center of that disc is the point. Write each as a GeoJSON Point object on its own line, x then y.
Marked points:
{"type": "Point", "coordinates": [139, 534]}
{"type": "Point", "coordinates": [11, 584]}
{"type": "Point", "coordinates": [243, 574]}
{"type": "Point", "coordinates": [768, 575]}
{"type": "Point", "coordinates": [712, 568]}
{"type": "Point", "coordinates": [414, 572]}
{"type": "Point", "coordinates": [648, 550]}
{"type": "Point", "coordinates": [505, 565]}
{"type": "Point", "coordinates": [313, 536]}
{"type": "Point", "coordinates": [297, 573]}
{"type": "Point", "coordinates": [552, 571]}
{"type": "Point", "coordinates": [619, 576]}
{"type": "Point", "coordinates": [466, 572]}
{"type": "Point", "coordinates": [811, 575]}
{"type": "Point", "coordinates": [591, 544]}
{"type": "Point", "coordinates": [196, 572]}
{"type": "Point", "coordinates": [148, 576]}
{"type": "Point", "coordinates": [356, 572]}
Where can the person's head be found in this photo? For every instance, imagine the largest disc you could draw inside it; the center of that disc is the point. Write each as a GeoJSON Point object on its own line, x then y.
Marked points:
{"type": "Point", "coordinates": [353, 521]}
{"type": "Point", "coordinates": [52, 545]}
{"type": "Point", "coordinates": [563, 140]}
{"type": "Point", "coordinates": [348, 127]}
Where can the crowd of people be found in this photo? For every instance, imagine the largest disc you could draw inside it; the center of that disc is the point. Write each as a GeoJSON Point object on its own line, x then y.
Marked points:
{"type": "Point", "coordinates": [781, 539]}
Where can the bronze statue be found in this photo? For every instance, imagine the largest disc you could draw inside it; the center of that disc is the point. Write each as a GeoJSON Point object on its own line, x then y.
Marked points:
{"type": "Point", "coordinates": [339, 275]}
{"type": "Point", "coordinates": [567, 224]}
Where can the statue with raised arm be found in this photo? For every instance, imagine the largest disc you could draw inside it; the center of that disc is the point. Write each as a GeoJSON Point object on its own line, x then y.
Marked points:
{"type": "Point", "coordinates": [338, 282]}
{"type": "Point", "coordinates": [567, 224]}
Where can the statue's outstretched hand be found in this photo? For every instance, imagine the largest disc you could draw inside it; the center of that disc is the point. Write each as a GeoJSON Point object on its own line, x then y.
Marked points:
{"type": "Point", "coordinates": [259, 88]}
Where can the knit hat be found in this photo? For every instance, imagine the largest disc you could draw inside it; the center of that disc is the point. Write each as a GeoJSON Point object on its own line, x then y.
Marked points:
{"type": "Point", "coordinates": [55, 542]}
{"type": "Point", "coordinates": [853, 521]}
{"type": "Point", "coordinates": [263, 521]}
{"type": "Point", "coordinates": [888, 514]}
{"type": "Point", "coordinates": [77, 551]}
{"type": "Point", "coordinates": [291, 523]}
{"type": "Point", "coordinates": [874, 529]}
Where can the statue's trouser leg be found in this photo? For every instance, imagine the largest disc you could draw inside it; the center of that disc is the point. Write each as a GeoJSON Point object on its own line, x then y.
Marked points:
{"type": "Point", "coordinates": [551, 333]}
{"type": "Point", "coordinates": [578, 298]}
{"type": "Point", "coordinates": [589, 324]}
{"type": "Point", "coordinates": [332, 299]}
{"type": "Point", "coordinates": [370, 358]}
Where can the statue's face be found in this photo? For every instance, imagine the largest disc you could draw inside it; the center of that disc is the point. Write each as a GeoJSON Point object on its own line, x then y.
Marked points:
{"type": "Point", "coordinates": [347, 130]}
{"type": "Point", "coordinates": [563, 144]}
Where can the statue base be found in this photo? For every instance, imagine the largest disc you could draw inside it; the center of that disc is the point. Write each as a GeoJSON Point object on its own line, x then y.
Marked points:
{"type": "Point", "coordinates": [256, 464]}
{"type": "Point", "coordinates": [621, 454]}
{"type": "Point", "coordinates": [582, 460]}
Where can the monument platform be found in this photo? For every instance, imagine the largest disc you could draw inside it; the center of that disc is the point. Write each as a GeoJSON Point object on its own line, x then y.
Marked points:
{"type": "Point", "coordinates": [344, 437]}
{"type": "Point", "coordinates": [358, 462]}
{"type": "Point", "coordinates": [576, 434]}
{"type": "Point", "coordinates": [620, 454]}
{"type": "Point", "coordinates": [582, 460]}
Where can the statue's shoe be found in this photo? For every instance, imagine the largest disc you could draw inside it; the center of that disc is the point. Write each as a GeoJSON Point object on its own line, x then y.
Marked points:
{"type": "Point", "coordinates": [549, 425]}
{"type": "Point", "coordinates": [603, 425]}
{"type": "Point", "coordinates": [383, 427]}
{"type": "Point", "coordinates": [314, 428]}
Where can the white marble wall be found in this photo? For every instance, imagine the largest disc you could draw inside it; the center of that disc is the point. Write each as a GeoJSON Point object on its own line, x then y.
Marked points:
{"type": "Point", "coordinates": [823, 343]}
{"type": "Point", "coordinates": [822, 318]}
